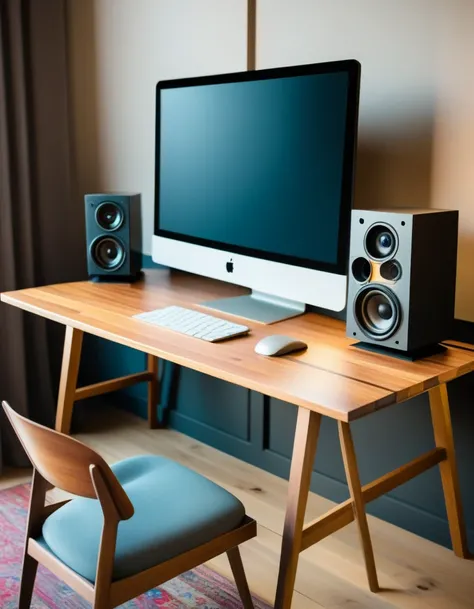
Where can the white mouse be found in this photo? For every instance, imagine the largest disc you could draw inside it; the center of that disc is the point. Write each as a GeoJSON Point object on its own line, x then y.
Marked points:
{"type": "Point", "coordinates": [277, 344]}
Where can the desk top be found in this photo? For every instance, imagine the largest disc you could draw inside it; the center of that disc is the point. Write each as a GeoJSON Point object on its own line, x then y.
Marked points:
{"type": "Point", "coordinates": [331, 377]}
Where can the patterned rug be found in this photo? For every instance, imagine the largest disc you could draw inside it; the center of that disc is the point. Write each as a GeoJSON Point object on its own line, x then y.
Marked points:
{"type": "Point", "coordinates": [200, 587]}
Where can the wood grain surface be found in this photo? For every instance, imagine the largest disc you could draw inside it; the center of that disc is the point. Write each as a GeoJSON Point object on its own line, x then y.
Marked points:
{"type": "Point", "coordinates": [331, 377]}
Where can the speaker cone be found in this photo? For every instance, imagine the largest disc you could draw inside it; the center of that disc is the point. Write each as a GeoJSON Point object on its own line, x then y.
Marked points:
{"type": "Point", "coordinates": [109, 216]}
{"type": "Point", "coordinates": [377, 311]}
{"type": "Point", "coordinates": [381, 241]}
{"type": "Point", "coordinates": [108, 253]}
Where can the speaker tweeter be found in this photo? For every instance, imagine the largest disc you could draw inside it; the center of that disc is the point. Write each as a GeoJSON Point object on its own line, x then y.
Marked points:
{"type": "Point", "coordinates": [381, 241]}
{"type": "Point", "coordinates": [109, 216]}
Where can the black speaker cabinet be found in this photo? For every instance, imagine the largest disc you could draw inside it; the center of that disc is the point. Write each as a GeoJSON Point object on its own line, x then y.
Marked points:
{"type": "Point", "coordinates": [402, 279]}
{"type": "Point", "coordinates": [114, 236]}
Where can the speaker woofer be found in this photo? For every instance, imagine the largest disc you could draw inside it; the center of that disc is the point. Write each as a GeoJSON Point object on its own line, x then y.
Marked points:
{"type": "Point", "coordinates": [381, 241]}
{"type": "Point", "coordinates": [377, 311]}
{"type": "Point", "coordinates": [108, 253]}
{"type": "Point", "coordinates": [109, 216]}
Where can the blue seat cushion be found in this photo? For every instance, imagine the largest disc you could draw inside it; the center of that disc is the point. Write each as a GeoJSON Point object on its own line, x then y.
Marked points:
{"type": "Point", "coordinates": [176, 510]}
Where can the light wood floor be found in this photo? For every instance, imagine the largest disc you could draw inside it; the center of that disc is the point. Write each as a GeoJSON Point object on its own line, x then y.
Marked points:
{"type": "Point", "coordinates": [414, 573]}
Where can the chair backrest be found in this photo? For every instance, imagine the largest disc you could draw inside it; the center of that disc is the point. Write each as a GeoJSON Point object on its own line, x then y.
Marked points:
{"type": "Point", "coordinates": [65, 462]}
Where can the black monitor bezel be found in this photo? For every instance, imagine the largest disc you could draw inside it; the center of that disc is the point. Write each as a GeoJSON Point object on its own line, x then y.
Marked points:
{"type": "Point", "coordinates": [352, 68]}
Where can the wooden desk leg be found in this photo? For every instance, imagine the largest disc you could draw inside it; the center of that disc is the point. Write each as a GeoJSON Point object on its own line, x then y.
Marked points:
{"type": "Point", "coordinates": [304, 450]}
{"type": "Point", "coordinates": [443, 433]}
{"type": "Point", "coordinates": [153, 392]}
{"type": "Point", "coordinates": [358, 505]}
{"type": "Point", "coordinates": [68, 381]}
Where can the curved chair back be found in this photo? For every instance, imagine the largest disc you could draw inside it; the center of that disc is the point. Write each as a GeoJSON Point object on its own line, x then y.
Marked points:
{"type": "Point", "coordinates": [66, 463]}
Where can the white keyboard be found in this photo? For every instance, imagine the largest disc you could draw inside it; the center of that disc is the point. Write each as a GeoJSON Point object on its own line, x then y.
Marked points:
{"type": "Point", "coordinates": [193, 323]}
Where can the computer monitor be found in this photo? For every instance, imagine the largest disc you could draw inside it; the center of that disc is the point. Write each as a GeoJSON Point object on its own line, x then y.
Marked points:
{"type": "Point", "coordinates": [254, 183]}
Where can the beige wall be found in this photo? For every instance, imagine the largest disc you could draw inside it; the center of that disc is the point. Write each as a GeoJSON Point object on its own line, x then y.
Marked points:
{"type": "Point", "coordinates": [453, 159]}
{"type": "Point", "coordinates": [416, 142]}
{"type": "Point", "coordinates": [119, 50]}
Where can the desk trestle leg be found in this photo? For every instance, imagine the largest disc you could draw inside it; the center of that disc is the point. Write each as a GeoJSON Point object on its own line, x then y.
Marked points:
{"type": "Point", "coordinates": [358, 503]}
{"type": "Point", "coordinates": [297, 537]}
{"type": "Point", "coordinates": [153, 391]}
{"type": "Point", "coordinates": [69, 393]}
{"type": "Point", "coordinates": [443, 432]}
{"type": "Point", "coordinates": [68, 382]}
{"type": "Point", "coordinates": [304, 450]}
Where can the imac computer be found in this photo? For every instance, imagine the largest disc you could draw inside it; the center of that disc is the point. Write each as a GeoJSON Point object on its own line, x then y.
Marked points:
{"type": "Point", "coordinates": [254, 184]}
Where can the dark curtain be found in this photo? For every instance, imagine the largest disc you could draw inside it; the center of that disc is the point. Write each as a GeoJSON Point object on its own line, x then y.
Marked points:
{"type": "Point", "coordinates": [41, 226]}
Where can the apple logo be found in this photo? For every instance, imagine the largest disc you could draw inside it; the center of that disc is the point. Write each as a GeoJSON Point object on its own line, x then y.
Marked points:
{"type": "Point", "coordinates": [229, 267]}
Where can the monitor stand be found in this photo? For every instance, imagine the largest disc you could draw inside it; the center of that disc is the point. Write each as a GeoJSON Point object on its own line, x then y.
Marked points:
{"type": "Point", "coordinates": [258, 306]}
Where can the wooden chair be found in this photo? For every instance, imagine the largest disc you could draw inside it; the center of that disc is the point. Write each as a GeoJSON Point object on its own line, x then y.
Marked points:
{"type": "Point", "coordinates": [193, 520]}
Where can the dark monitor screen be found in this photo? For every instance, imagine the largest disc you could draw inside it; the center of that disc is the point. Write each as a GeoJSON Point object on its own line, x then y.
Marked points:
{"type": "Point", "coordinates": [260, 163]}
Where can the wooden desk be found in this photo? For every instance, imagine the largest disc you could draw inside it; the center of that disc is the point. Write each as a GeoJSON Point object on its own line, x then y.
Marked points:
{"type": "Point", "coordinates": [330, 379]}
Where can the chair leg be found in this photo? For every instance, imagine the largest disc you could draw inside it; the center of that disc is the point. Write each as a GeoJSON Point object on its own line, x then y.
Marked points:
{"type": "Point", "coordinates": [100, 603]}
{"type": "Point", "coordinates": [443, 432]}
{"type": "Point", "coordinates": [352, 473]}
{"type": "Point", "coordinates": [102, 593]}
{"type": "Point", "coordinates": [39, 486]}
{"type": "Point", "coordinates": [28, 575]}
{"type": "Point", "coordinates": [239, 575]}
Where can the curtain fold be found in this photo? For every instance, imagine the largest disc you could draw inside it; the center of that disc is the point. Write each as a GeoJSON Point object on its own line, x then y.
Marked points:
{"type": "Point", "coordinates": [41, 226]}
